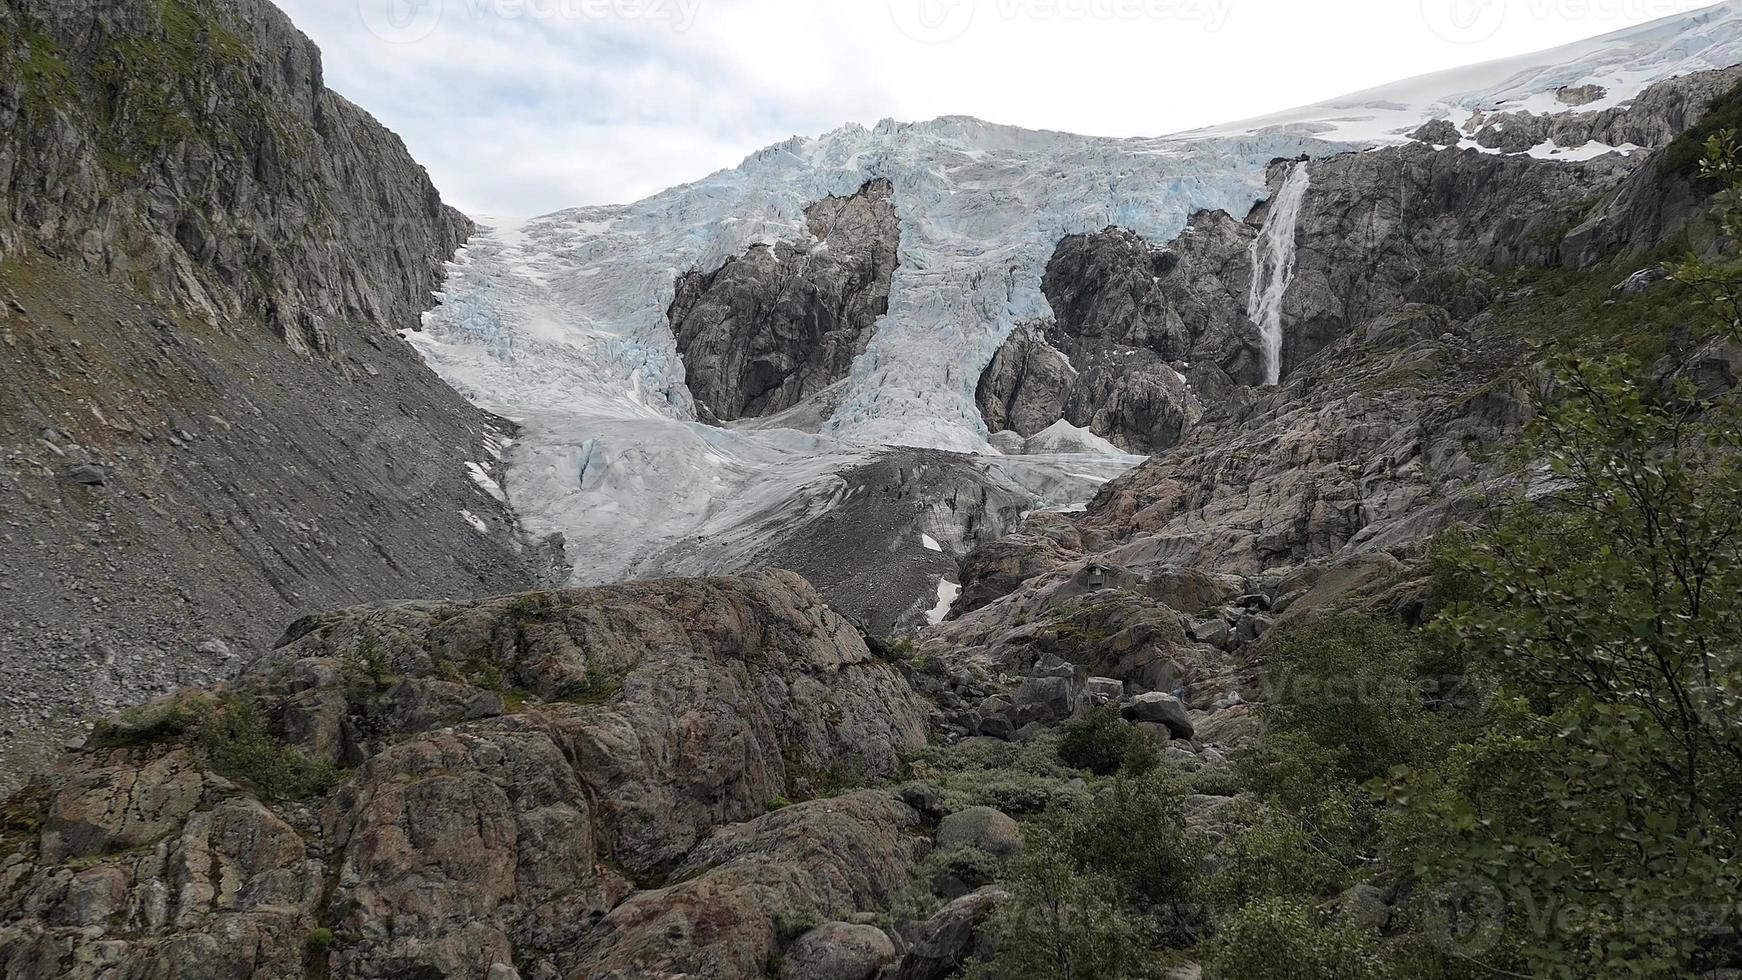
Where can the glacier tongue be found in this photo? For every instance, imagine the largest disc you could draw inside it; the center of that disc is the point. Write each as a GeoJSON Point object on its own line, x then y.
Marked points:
{"type": "Point", "coordinates": [560, 322]}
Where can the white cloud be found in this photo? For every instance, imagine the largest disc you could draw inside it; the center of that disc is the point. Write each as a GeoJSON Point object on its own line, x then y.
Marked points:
{"type": "Point", "coordinates": [525, 106]}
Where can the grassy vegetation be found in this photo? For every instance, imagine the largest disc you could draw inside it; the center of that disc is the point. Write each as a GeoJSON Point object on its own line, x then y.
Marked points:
{"type": "Point", "coordinates": [229, 735]}
{"type": "Point", "coordinates": [1579, 308]}
{"type": "Point", "coordinates": [41, 68]}
{"type": "Point", "coordinates": [146, 93]}
{"type": "Point", "coordinates": [1017, 779]}
{"type": "Point", "coordinates": [149, 87]}
{"type": "Point", "coordinates": [1684, 156]}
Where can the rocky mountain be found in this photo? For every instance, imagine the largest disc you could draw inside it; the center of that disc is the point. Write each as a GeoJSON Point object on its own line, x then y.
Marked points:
{"type": "Point", "coordinates": [208, 423]}
{"type": "Point", "coordinates": [833, 771]}
{"type": "Point", "coordinates": [782, 323]}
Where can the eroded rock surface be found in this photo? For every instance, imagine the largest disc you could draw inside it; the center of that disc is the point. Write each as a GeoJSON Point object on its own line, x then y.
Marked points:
{"type": "Point", "coordinates": [783, 322]}
{"type": "Point", "coordinates": [577, 783]}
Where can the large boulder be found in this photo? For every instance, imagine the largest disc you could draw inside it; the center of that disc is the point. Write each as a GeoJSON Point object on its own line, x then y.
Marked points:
{"type": "Point", "coordinates": [952, 937]}
{"type": "Point", "coordinates": [981, 828]}
{"type": "Point", "coordinates": [1163, 709]}
{"type": "Point", "coordinates": [838, 951]}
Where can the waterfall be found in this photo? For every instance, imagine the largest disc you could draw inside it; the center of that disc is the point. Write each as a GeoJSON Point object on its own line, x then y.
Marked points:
{"type": "Point", "coordinates": [1273, 268]}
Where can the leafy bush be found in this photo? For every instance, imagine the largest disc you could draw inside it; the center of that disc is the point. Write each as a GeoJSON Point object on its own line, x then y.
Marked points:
{"type": "Point", "coordinates": [1346, 689]}
{"type": "Point", "coordinates": [1103, 743]}
{"type": "Point", "coordinates": [1280, 939]}
{"type": "Point", "coordinates": [1104, 890]}
{"type": "Point", "coordinates": [1598, 810]}
{"type": "Point", "coordinates": [1063, 922]}
{"type": "Point", "coordinates": [1271, 854]}
{"type": "Point", "coordinates": [234, 740]}
{"type": "Point", "coordinates": [367, 666]}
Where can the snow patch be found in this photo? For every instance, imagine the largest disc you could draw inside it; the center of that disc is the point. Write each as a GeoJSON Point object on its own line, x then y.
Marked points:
{"type": "Point", "coordinates": [931, 543]}
{"type": "Point", "coordinates": [1625, 63]}
{"type": "Point", "coordinates": [947, 593]}
{"type": "Point", "coordinates": [487, 483]}
{"type": "Point", "coordinates": [475, 521]}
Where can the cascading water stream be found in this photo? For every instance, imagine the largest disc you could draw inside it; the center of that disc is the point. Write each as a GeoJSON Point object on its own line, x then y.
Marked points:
{"type": "Point", "coordinates": [1273, 253]}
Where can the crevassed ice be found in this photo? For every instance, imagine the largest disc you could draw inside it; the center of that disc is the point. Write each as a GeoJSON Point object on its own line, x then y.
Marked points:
{"type": "Point", "coordinates": [569, 311]}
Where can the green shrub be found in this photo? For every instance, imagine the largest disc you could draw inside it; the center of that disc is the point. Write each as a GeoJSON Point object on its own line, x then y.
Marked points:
{"type": "Point", "coordinates": [367, 666]}
{"type": "Point", "coordinates": [1017, 779]}
{"type": "Point", "coordinates": [234, 741]}
{"type": "Point", "coordinates": [1219, 780]}
{"type": "Point", "coordinates": [1103, 743]}
{"type": "Point", "coordinates": [1346, 690]}
{"type": "Point", "coordinates": [1106, 889]}
{"type": "Point", "coordinates": [1599, 805]}
{"type": "Point", "coordinates": [160, 721]}
{"type": "Point", "coordinates": [1270, 855]}
{"type": "Point", "coordinates": [1282, 939]}
{"type": "Point", "coordinates": [1062, 922]}
{"type": "Point", "coordinates": [1135, 834]}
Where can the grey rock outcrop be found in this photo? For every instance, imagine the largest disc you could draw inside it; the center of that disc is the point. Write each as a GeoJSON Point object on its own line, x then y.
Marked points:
{"type": "Point", "coordinates": [538, 780]}
{"type": "Point", "coordinates": [783, 322]}
{"type": "Point", "coordinates": [191, 150]}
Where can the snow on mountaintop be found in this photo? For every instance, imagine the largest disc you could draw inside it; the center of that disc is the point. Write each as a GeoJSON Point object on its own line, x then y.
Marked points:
{"type": "Point", "coordinates": [1623, 63]}
{"type": "Point", "coordinates": [561, 321]}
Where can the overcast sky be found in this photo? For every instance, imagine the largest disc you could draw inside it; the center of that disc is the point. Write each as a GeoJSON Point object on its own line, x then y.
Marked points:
{"type": "Point", "coordinates": [521, 107]}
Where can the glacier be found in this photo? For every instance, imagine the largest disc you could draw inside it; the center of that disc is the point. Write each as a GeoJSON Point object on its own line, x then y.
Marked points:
{"type": "Point", "coordinates": [560, 322]}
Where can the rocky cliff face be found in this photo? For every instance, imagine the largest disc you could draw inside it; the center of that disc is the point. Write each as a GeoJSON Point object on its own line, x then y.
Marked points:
{"type": "Point", "coordinates": [783, 322]}
{"type": "Point", "coordinates": [1421, 274]}
{"type": "Point", "coordinates": [208, 425]}
{"type": "Point", "coordinates": [1145, 337]}
{"type": "Point", "coordinates": [188, 148]}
